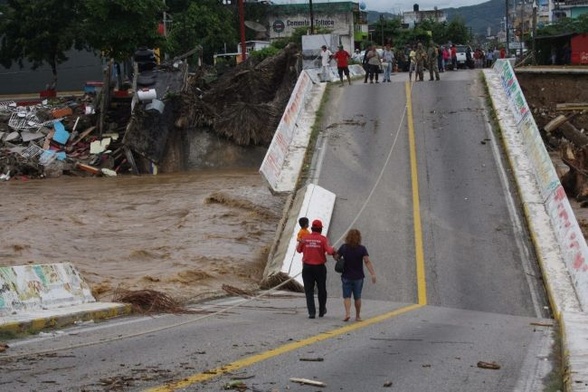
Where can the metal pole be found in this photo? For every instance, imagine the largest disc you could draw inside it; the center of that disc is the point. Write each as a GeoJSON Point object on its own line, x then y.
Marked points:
{"type": "Point", "coordinates": [242, 29]}
{"type": "Point", "coordinates": [534, 31]}
{"type": "Point", "coordinates": [311, 18]}
{"type": "Point", "coordinates": [506, 27]}
{"type": "Point", "coordinates": [522, 24]}
{"type": "Point", "coordinates": [382, 27]}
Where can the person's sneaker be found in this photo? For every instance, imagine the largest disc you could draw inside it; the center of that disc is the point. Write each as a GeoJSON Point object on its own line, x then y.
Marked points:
{"type": "Point", "coordinates": [323, 312]}
{"type": "Point", "coordinates": [311, 316]}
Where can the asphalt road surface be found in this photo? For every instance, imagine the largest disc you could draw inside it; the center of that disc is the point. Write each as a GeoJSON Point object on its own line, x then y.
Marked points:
{"type": "Point", "coordinates": [418, 170]}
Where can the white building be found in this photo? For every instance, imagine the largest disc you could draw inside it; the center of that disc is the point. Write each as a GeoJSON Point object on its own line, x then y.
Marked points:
{"type": "Point", "coordinates": [413, 18]}
{"type": "Point", "coordinates": [344, 19]}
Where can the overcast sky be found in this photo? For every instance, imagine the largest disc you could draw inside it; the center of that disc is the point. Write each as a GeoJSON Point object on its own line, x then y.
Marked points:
{"type": "Point", "coordinates": [395, 6]}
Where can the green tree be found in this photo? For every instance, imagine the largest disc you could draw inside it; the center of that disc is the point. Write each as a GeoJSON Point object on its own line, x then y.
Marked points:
{"type": "Point", "coordinates": [458, 32]}
{"type": "Point", "coordinates": [39, 32]}
{"type": "Point", "coordinates": [437, 30]}
{"type": "Point", "coordinates": [118, 27]}
{"type": "Point", "coordinates": [385, 30]}
{"type": "Point", "coordinates": [203, 22]}
{"type": "Point", "coordinates": [565, 25]}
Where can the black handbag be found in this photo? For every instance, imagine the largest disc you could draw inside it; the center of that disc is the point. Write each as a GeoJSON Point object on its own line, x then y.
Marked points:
{"type": "Point", "coordinates": [340, 265]}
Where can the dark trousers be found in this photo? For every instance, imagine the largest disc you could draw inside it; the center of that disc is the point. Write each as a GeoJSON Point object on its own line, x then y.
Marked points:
{"type": "Point", "coordinates": [311, 275]}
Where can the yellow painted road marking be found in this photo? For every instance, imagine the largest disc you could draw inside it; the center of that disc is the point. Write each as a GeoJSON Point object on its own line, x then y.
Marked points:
{"type": "Point", "coordinates": [231, 367]}
{"type": "Point", "coordinates": [421, 288]}
{"type": "Point", "coordinates": [416, 209]}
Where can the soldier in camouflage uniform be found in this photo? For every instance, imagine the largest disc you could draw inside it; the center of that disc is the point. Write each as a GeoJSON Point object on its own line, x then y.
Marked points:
{"type": "Point", "coordinates": [420, 58]}
{"type": "Point", "coordinates": [433, 55]}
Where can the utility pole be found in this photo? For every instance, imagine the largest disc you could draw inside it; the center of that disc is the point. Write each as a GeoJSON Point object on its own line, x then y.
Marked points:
{"type": "Point", "coordinates": [242, 30]}
{"type": "Point", "coordinates": [534, 31]}
{"type": "Point", "coordinates": [507, 29]}
{"type": "Point", "coordinates": [522, 24]}
{"type": "Point", "coordinates": [311, 17]}
{"type": "Point", "coordinates": [382, 27]}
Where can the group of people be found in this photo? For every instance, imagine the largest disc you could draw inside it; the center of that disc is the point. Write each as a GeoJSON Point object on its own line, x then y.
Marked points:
{"type": "Point", "coordinates": [420, 58]}
{"type": "Point", "coordinates": [341, 56]}
{"type": "Point", "coordinates": [414, 59]}
{"type": "Point", "coordinates": [315, 247]}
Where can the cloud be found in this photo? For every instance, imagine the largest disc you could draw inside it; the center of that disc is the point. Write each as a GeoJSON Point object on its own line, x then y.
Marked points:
{"type": "Point", "coordinates": [395, 7]}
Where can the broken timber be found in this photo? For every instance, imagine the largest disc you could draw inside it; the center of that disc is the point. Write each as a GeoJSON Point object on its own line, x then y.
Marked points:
{"type": "Point", "coordinates": [308, 382]}
{"type": "Point", "coordinates": [569, 131]}
{"type": "Point", "coordinates": [572, 106]}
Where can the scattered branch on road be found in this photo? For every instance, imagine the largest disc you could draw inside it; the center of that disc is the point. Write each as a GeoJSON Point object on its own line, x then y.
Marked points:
{"type": "Point", "coordinates": [151, 301]}
{"type": "Point", "coordinates": [308, 382]}
{"type": "Point", "coordinates": [488, 365]}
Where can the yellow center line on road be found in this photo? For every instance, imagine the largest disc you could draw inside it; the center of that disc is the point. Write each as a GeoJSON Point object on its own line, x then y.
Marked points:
{"type": "Point", "coordinates": [286, 348]}
{"type": "Point", "coordinates": [416, 208]}
{"type": "Point", "coordinates": [231, 367]}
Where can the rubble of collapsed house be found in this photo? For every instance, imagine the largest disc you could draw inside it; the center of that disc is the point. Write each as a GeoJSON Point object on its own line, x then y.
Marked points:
{"type": "Point", "coordinates": [107, 132]}
{"type": "Point", "coordinates": [52, 136]}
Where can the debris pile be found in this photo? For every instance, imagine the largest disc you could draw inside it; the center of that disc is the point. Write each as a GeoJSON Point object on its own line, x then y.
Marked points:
{"type": "Point", "coordinates": [144, 128]}
{"type": "Point", "coordinates": [54, 136]}
{"type": "Point", "coordinates": [560, 110]}
{"type": "Point", "coordinates": [247, 103]}
{"type": "Point", "coordinates": [151, 301]}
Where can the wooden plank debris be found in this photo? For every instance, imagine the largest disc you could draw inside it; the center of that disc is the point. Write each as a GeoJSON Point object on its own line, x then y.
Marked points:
{"type": "Point", "coordinates": [306, 381]}
{"type": "Point", "coordinates": [572, 106]}
{"type": "Point", "coordinates": [488, 365]}
{"type": "Point", "coordinates": [555, 123]}
{"type": "Point", "coordinates": [574, 135]}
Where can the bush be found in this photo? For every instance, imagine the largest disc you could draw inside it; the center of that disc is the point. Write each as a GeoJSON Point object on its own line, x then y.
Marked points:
{"type": "Point", "coordinates": [268, 51]}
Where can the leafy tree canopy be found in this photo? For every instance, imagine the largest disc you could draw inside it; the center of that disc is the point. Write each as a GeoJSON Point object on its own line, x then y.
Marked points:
{"type": "Point", "coordinates": [204, 22]}
{"type": "Point", "coordinates": [118, 27]}
{"type": "Point", "coordinates": [565, 25]}
{"type": "Point", "coordinates": [429, 31]}
{"type": "Point", "coordinates": [37, 31]}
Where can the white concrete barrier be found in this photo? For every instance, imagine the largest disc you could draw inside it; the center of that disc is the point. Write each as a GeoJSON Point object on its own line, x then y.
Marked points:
{"type": "Point", "coordinates": [28, 288]}
{"type": "Point", "coordinates": [566, 228]}
{"type": "Point", "coordinates": [313, 202]}
{"type": "Point", "coordinates": [282, 164]}
{"type": "Point", "coordinates": [274, 165]}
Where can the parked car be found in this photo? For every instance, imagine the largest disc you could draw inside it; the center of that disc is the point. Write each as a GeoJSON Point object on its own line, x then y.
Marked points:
{"type": "Point", "coordinates": [462, 58]}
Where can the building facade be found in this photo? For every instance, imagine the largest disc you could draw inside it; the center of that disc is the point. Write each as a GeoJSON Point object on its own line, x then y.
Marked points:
{"type": "Point", "coordinates": [344, 19]}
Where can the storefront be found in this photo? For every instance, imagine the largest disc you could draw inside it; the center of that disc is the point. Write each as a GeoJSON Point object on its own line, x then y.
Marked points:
{"type": "Point", "coordinates": [344, 19]}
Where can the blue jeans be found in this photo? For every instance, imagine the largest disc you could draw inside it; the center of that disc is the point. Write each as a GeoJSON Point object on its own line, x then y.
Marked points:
{"type": "Point", "coordinates": [352, 286]}
{"type": "Point", "coordinates": [387, 71]}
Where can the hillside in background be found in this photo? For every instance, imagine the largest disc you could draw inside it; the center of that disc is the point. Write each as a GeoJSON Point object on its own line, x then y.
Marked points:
{"type": "Point", "coordinates": [478, 17]}
{"type": "Point", "coordinates": [481, 16]}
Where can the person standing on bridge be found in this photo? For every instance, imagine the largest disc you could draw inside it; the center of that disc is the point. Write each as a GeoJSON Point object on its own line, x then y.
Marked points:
{"type": "Point", "coordinates": [421, 59]}
{"type": "Point", "coordinates": [388, 59]}
{"type": "Point", "coordinates": [342, 58]}
{"type": "Point", "coordinates": [313, 247]}
{"type": "Point", "coordinates": [412, 65]}
{"type": "Point", "coordinates": [433, 55]}
{"type": "Point", "coordinates": [325, 60]}
{"type": "Point", "coordinates": [355, 255]}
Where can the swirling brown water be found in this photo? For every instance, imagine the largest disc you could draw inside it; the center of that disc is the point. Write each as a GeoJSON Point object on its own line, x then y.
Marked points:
{"type": "Point", "coordinates": [183, 234]}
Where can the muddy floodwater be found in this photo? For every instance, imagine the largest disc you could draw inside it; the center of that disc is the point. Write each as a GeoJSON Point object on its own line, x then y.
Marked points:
{"type": "Point", "coordinates": [182, 234]}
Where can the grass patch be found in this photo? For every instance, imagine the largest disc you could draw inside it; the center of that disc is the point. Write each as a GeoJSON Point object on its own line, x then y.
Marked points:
{"type": "Point", "coordinates": [554, 380]}
{"type": "Point", "coordinates": [11, 335]}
